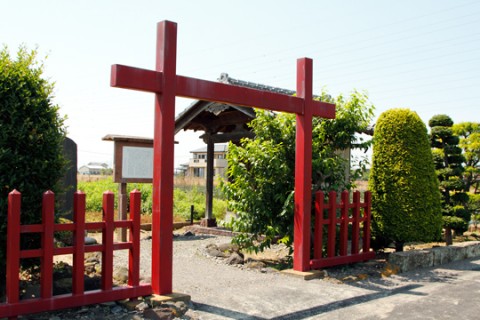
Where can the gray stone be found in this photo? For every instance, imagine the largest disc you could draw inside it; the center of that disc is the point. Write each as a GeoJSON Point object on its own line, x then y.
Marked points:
{"type": "Point", "coordinates": [235, 258]}
{"type": "Point", "coordinates": [269, 270]}
{"type": "Point", "coordinates": [90, 241]}
{"type": "Point", "coordinates": [228, 247]}
{"type": "Point", "coordinates": [411, 260]}
{"type": "Point", "coordinates": [211, 245]}
{"type": "Point", "coordinates": [108, 304]}
{"type": "Point", "coordinates": [90, 268]}
{"type": "Point", "coordinates": [120, 274]}
{"type": "Point", "coordinates": [255, 265]}
{"type": "Point", "coordinates": [69, 180]}
{"type": "Point", "coordinates": [92, 259]}
{"type": "Point", "coordinates": [442, 255]}
{"type": "Point", "coordinates": [188, 234]}
{"type": "Point", "coordinates": [214, 252]}
{"type": "Point", "coordinates": [158, 313]}
{"type": "Point", "coordinates": [182, 307]}
{"type": "Point", "coordinates": [142, 306]}
{"type": "Point", "coordinates": [83, 310]}
{"type": "Point", "coordinates": [472, 249]}
{"type": "Point", "coordinates": [178, 308]}
{"type": "Point", "coordinates": [116, 310]}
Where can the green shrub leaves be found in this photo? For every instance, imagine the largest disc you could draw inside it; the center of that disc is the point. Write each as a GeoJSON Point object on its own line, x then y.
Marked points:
{"type": "Point", "coordinates": [405, 196]}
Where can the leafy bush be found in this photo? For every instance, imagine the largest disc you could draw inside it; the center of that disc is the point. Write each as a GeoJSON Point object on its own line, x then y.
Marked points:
{"type": "Point", "coordinates": [31, 137]}
{"type": "Point", "coordinates": [469, 134]}
{"type": "Point", "coordinates": [94, 192]}
{"type": "Point", "coordinates": [405, 196]}
{"type": "Point", "coordinates": [261, 170]}
{"type": "Point", "coordinates": [474, 206]}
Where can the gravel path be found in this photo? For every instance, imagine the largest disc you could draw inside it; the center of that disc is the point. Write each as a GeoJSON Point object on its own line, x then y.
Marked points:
{"type": "Point", "coordinates": [221, 291]}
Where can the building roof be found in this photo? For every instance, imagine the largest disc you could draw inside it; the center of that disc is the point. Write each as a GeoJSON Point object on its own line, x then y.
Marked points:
{"type": "Point", "coordinates": [94, 167]}
{"type": "Point", "coordinates": [223, 122]}
{"type": "Point", "coordinates": [218, 148]}
{"type": "Point", "coordinates": [123, 138]}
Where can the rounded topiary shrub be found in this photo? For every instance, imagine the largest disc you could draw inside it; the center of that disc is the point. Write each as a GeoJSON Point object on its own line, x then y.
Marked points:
{"type": "Point", "coordinates": [404, 186]}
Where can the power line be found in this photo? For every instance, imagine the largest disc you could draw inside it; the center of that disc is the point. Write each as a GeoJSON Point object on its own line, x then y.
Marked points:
{"type": "Point", "coordinates": [323, 42]}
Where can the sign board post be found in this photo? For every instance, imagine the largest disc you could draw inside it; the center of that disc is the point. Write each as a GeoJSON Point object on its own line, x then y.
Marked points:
{"type": "Point", "coordinates": [132, 162]}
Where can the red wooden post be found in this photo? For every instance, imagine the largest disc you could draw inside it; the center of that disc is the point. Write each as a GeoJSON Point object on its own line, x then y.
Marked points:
{"type": "Point", "coordinates": [356, 222]}
{"type": "Point", "coordinates": [366, 223]}
{"type": "Point", "coordinates": [332, 226]}
{"type": "Point", "coordinates": [303, 168]}
{"type": "Point", "coordinates": [163, 146]}
{"type": "Point", "coordinates": [48, 214]}
{"type": "Point", "coordinates": [134, 238]}
{"type": "Point", "coordinates": [78, 243]}
{"type": "Point", "coordinates": [107, 241]}
{"type": "Point", "coordinates": [13, 248]}
{"type": "Point", "coordinates": [318, 229]}
{"type": "Point", "coordinates": [345, 198]}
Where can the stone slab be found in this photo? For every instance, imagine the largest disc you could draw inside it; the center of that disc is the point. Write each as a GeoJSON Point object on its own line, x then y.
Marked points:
{"type": "Point", "coordinates": [416, 259]}
{"type": "Point", "coordinates": [157, 300]}
{"type": "Point", "coordinates": [305, 275]}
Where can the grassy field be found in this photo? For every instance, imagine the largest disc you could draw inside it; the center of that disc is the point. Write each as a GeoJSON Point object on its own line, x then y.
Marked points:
{"type": "Point", "coordinates": [187, 192]}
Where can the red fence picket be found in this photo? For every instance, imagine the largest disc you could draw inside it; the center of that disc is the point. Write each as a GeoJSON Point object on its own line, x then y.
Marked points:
{"type": "Point", "coordinates": [360, 217]}
{"type": "Point", "coordinates": [13, 306]}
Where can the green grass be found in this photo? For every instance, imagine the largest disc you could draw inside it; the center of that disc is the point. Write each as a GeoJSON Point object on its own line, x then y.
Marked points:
{"type": "Point", "coordinates": [183, 198]}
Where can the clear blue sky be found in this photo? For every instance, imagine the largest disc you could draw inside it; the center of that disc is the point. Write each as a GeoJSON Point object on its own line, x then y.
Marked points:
{"type": "Point", "coordinates": [417, 54]}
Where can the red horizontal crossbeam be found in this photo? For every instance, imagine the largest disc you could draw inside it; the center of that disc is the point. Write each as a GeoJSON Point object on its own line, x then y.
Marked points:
{"type": "Point", "coordinates": [151, 81]}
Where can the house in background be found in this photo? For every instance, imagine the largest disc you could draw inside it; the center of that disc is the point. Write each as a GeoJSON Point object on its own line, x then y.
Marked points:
{"type": "Point", "coordinates": [93, 168]}
{"type": "Point", "coordinates": [197, 166]}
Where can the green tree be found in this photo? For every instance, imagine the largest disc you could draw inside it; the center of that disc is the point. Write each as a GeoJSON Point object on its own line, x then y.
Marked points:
{"type": "Point", "coordinates": [448, 164]}
{"type": "Point", "coordinates": [31, 136]}
{"type": "Point", "coordinates": [469, 133]}
{"type": "Point", "coordinates": [261, 170]}
{"type": "Point", "coordinates": [404, 186]}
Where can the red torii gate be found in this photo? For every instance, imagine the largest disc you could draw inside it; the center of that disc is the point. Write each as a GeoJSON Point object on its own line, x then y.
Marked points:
{"type": "Point", "coordinates": [166, 85]}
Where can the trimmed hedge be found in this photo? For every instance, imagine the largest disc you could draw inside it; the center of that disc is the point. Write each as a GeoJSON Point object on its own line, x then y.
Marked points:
{"type": "Point", "coordinates": [31, 137]}
{"type": "Point", "coordinates": [405, 194]}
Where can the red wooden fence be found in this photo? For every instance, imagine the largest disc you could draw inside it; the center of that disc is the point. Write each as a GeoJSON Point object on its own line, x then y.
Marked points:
{"type": "Point", "coordinates": [79, 297]}
{"type": "Point", "coordinates": [357, 214]}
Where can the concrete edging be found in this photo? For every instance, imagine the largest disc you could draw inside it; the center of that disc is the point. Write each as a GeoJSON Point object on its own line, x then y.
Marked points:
{"type": "Point", "coordinates": [416, 259]}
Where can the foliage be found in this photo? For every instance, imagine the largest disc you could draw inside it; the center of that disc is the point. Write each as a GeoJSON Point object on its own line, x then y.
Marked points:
{"type": "Point", "coordinates": [31, 137]}
{"type": "Point", "coordinates": [261, 170]}
{"type": "Point", "coordinates": [448, 165]}
{"type": "Point", "coordinates": [404, 186]}
{"type": "Point", "coordinates": [182, 199]}
{"type": "Point", "coordinates": [94, 192]}
{"type": "Point", "coordinates": [469, 133]}
{"type": "Point", "coordinates": [474, 206]}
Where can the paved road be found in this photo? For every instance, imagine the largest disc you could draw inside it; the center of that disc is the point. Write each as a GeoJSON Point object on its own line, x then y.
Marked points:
{"type": "Point", "coordinates": [219, 291]}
